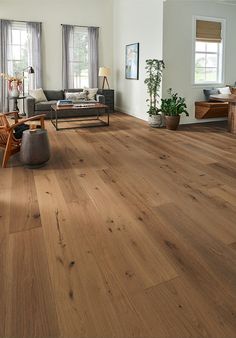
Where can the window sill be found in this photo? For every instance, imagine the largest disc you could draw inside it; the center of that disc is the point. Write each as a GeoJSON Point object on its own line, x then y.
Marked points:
{"type": "Point", "coordinates": [207, 85]}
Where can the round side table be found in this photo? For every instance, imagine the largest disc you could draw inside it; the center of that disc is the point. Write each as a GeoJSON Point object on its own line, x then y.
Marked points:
{"type": "Point", "coordinates": [35, 149]}
{"type": "Point", "coordinates": [15, 103]}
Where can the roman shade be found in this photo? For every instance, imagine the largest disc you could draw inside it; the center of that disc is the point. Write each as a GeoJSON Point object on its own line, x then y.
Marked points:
{"type": "Point", "coordinates": [208, 31]}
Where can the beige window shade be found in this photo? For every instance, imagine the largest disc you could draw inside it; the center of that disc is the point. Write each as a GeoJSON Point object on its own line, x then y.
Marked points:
{"type": "Point", "coordinates": [208, 31]}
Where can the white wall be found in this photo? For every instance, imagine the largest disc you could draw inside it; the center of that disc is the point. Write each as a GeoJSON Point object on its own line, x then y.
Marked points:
{"type": "Point", "coordinates": [53, 13]}
{"type": "Point", "coordinates": [177, 47]}
{"type": "Point", "coordinates": [135, 21]}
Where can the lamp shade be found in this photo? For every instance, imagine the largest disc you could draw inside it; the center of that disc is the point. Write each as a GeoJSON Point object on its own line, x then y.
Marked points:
{"type": "Point", "coordinates": [104, 71]}
{"type": "Point", "coordinates": [31, 70]}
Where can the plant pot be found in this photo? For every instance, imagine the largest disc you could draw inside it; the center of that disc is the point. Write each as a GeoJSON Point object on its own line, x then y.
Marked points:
{"type": "Point", "coordinates": [155, 121]}
{"type": "Point", "coordinates": [163, 120]}
{"type": "Point", "coordinates": [172, 122]}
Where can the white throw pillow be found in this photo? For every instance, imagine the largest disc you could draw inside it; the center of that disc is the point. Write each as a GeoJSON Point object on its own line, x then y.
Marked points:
{"type": "Point", "coordinates": [224, 90]}
{"type": "Point", "coordinates": [75, 96]}
{"type": "Point", "coordinates": [90, 92]}
{"type": "Point", "coordinates": [38, 94]}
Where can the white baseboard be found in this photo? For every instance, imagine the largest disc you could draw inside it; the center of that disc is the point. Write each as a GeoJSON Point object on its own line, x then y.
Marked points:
{"type": "Point", "coordinates": [191, 121]}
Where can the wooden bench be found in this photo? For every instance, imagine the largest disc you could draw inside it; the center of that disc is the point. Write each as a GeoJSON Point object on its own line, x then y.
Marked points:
{"type": "Point", "coordinates": [208, 109]}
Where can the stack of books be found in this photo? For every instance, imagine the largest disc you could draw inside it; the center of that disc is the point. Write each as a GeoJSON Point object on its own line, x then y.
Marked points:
{"type": "Point", "coordinates": [64, 103]}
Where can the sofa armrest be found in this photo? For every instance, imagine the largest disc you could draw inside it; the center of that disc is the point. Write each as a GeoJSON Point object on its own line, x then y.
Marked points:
{"type": "Point", "coordinates": [100, 98]}
{"type": "Point", "coordinates": [29, 106]}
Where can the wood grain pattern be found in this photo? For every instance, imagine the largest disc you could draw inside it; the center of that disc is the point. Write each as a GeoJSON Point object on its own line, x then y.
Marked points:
{"type": "Point", "coordinates": [5, 197]}
{"type": "Point", "coordinates": [30, 301]}
{"type": "Point", "coordinates": [128, 231]}
{"type": "Point", "coordinates": [205, 109]}
{"type": "Point", "coordinates": [24, 213]}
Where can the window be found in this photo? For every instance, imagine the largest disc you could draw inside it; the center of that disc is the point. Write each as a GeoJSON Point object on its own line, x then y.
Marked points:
{"type": "Point", "coordinates": [208, 66]}
{"type": "Point", "coordinates": [78, 58]}
{"type": "Point", "coordinates": [18, 48]}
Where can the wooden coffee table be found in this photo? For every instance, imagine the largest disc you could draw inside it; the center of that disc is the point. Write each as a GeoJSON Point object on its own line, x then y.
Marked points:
{"type": "Point", "coordinates": [80, 109]}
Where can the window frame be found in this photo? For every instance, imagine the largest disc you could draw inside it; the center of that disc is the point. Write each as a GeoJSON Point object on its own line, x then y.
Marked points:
{"type": "Point", "coordinates": [18, 26]}
{"type": "Point", "coordinates": [223, 25]}
{"type": "Point", "coordinates": [77, 62]}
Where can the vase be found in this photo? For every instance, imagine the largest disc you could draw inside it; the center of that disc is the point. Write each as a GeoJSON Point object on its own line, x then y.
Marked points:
{"type": "Point", "coordinates": [14, 91]}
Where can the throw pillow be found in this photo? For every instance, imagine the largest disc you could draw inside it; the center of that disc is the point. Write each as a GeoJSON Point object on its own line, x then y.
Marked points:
{"type": "Point", "coordinates": [75, 96]}
{"type": "Point", "coordinates": [90, 92]}
{"type": "Point", "coordinates": [224, 90]}
{"type": "Point", "coordinates": [38, 94]}
{"type": "Point", "coordinates": [209, 92]}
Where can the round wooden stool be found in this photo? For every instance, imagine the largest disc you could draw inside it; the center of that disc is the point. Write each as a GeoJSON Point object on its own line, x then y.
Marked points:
{"type": "Point", "coordinates": [35, 149]}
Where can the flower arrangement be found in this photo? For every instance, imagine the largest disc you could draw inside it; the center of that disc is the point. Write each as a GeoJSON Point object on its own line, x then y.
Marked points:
{"type": "Point", "coordinates": [14, 82]}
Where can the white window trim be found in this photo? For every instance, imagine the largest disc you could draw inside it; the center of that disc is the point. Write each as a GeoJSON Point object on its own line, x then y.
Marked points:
{"type": "Point", "coordinates": [223, 22]}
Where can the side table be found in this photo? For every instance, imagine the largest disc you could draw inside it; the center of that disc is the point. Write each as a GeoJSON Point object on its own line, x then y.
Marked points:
{"type": "Point", "coordinates": [109, 97]}
{"type": "Point", "coordinates": [15, 103]}
{"type": "Point", "coordinates": [35, 149]}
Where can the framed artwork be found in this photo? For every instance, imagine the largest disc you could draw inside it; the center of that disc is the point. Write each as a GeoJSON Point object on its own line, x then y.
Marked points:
{"type": "Point", "coordinates": [132, 61]}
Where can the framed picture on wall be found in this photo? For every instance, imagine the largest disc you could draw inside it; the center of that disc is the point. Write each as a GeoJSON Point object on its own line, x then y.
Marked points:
{"type": "Point", "coordinates": [132, 61]}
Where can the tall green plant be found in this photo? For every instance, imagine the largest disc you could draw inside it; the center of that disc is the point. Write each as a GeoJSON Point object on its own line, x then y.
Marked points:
{"type": "Point", "coordinates": [154, 69]}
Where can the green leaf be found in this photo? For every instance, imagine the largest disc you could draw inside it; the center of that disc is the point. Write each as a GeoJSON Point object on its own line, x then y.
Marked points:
{"type": "Point", "coordinates": [174, 104]}
{"type": "Point", "coordinates": [154, 69]}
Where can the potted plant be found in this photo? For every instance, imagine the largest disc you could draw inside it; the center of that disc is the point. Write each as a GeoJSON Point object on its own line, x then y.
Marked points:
{"type": "Point", "coordinates": [172, 107]}
{"type": "Point", "coordinates": [154, 69]}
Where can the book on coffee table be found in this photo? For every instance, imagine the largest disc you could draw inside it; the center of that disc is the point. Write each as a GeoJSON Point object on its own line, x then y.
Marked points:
{"type": "Point", "coordinates": [63, 103]}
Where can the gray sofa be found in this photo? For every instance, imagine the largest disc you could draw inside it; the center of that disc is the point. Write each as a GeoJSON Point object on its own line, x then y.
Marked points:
{"type": "Point", "coordinates": [32, 108]}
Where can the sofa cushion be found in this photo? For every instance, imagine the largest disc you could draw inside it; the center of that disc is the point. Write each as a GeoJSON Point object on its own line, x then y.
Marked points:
{"type": "Point", "coordinates": [44, 106]}
{"type": "Point", "coordinates": [210, 91]}
{"type": "Point", "coordinates": [54, 95]}
{"type": "Point", "coordinates": [38, 95]}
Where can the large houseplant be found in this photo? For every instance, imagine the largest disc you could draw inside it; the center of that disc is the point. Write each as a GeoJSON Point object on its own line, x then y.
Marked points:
{"type": "Point", "coordinates": [172, 107]}
{"type": "Point", "coordinates": [154, 69]}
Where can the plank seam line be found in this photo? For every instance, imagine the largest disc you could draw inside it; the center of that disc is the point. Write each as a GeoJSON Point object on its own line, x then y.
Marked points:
{"type": "Point", "coordinates": [161, 283]}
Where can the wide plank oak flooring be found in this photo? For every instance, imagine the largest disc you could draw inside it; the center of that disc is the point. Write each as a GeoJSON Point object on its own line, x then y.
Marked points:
{"type": "Point", "coordinates": [128, 231]}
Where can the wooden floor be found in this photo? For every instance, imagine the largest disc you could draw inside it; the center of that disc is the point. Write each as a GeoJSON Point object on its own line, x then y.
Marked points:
{"type": "Point", "coordinates": [127, 232]}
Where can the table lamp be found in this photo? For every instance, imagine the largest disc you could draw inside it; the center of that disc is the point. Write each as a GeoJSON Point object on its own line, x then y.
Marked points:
{"type": "Point", "coordinates": [104, 72]}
